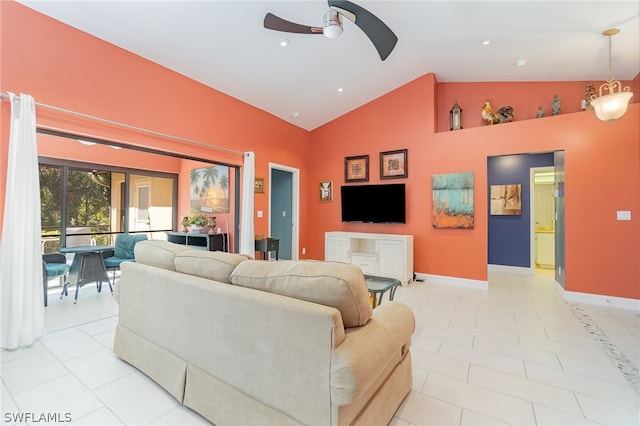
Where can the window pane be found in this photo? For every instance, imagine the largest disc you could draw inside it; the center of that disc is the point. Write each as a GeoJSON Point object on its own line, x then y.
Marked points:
{"type": "Point", "coordinates": [50, 207]}
{"type": "Point", "coordinates": [88, 207]}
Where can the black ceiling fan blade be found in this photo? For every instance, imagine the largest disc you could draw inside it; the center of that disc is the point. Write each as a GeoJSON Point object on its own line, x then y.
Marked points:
{"type": "Point", "coordinates": [378, 32]}
{"type": "Point", "coordinates": [273, 22]}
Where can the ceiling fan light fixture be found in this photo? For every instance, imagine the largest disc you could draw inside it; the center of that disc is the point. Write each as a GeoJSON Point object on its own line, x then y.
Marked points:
{"type": "Point", "coordinates": [332, 24]}
{"type": "Point", "coordinates": [613, 105]}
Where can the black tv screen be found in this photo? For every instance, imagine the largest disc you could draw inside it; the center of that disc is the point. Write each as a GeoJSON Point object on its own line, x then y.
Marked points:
{"type": "Point", "coordinates": [374, 203]}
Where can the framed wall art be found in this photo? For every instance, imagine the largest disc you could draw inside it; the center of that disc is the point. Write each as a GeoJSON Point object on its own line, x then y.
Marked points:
{"type": "Point", "coordinates": [453, 200]}
{"type": "Point", "coordinates": [326, 191]}
{"type": "Point", "coordinates": [506, 199]}
{"type": "Point", "coordinates": [356, 169]}
{"type": "Point", "coordinates": [209, 189]}
{"type": "Point", "coordinates": [393, 164]}
{"type": "Point", "coordinates": [259, 186]}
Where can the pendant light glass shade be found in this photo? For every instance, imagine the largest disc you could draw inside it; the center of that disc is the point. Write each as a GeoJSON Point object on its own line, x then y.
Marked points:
{"type": "Point", "coordinates": [614, 104]}
{"type": "Point", "coordinates": [611, 107]}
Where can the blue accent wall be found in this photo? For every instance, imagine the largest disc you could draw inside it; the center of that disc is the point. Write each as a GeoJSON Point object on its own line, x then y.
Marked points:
{"type": "Point", "coordinates": [510, 236]}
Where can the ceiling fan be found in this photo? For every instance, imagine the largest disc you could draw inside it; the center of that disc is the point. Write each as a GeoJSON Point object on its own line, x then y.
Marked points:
{"type": "Point", "coordinates": [378, 32]}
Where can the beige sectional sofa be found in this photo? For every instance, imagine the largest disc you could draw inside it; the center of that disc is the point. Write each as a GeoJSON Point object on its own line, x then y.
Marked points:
{"type": "Point", "coordinates": [244, 341]}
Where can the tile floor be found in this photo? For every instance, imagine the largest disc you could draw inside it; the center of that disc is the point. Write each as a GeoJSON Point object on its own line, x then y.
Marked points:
{"type": "Point", "coordinates": [514, 354]}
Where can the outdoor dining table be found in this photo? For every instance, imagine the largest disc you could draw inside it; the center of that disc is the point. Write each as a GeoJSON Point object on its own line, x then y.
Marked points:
{"type": "Point", "coordinates": [87, 266]}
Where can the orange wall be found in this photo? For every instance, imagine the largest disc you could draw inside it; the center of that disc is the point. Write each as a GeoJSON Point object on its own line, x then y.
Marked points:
{"type": "Point", "coordinates": [70, 69]}
{"type": "Point", "coordinates": [525, 98]}
{"type": "Point", "coordinates": [67, 68]}
{"type": "Point", "coordinates": [601, 167]}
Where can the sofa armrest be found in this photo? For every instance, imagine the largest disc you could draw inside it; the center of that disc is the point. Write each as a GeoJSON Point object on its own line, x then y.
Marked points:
{"type": "Point", "coordinates": [368, 350]}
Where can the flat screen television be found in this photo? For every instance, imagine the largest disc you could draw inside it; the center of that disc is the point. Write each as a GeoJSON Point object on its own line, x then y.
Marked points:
{"type": "Point", "coordinates": [384, 203]}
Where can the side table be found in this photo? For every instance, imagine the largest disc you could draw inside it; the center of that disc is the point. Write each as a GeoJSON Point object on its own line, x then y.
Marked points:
{"type": "Point", "coordinates": [267, 245]}
{"type": "Point", "coordinates": [377, 286]}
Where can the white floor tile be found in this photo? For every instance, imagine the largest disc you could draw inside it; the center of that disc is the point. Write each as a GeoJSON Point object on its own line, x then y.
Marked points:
{"type": "Point", "coordinates": [484, 358]}
{"type": "Point", "coordinates": [99, 417]}
{"type": "Point", "coordinates": [469, 418]}
{"type": "Point", "coordinates": [529, 390]}
{"type": "Point", "coordinates": [181, 416]}
{"type": "Point", "coordinates": [98, 368]}
{"type": "Point", "coordinates": [420, 409]}
{"type": "Point", "coordinates": [546, 416]}
{"type": "Point", "coordinates": [479, 400]}
{"type": "Point", "coordinates": [604, 389]}
{"type": "Point", "coordinates": [445, 365]}
{"type": "Point", "coordinates": [64, 396]}
{"type": "Point", "coordinates": [136, 399]}
{"type": "Point", "coordinates": [512, 354]}
{"type": "Point", "coordinates": [72, 345]}
{"type": "Point", "coordinates": [32, 370]}
{"type": "Point", "coordinates": [607, 412]}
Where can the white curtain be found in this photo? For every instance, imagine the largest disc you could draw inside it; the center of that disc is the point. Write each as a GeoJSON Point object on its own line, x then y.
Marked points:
{"type": "Point", "coordinates": [247, 237]}
{"type": "Point", "coordinates": [21, 290]}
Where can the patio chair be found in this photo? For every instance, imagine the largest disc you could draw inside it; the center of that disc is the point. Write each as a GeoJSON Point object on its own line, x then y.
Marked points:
{"type": "Point", "coordinates": [53, 265]}
{"type": "Point", "coordinates": [122, 252]}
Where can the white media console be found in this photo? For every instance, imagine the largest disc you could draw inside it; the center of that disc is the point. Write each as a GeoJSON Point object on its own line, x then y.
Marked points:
{"type": "Point", "coordinates": [384, 255]}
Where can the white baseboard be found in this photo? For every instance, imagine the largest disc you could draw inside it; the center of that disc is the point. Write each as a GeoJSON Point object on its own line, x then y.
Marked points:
{"type": "Point", "coordinates": [455, 281]}
{"type": "Point", "coordinates": [511, 269]}
{"type": "Point", "coordinates": [598, 299]}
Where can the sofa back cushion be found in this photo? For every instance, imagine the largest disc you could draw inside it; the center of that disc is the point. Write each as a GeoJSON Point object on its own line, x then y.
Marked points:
{"type": "Point", "coordinates": [158, 253]}
{"type": "Point", "coordinates": [214, 265]}
{"type": "Point", "coordinates": [339, 285]}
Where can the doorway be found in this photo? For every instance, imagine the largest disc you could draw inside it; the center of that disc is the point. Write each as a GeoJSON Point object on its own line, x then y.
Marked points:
{"type": "Point", "coordinates": [543, 215]}
{"type": "Point", "coordinates": [284, 190]}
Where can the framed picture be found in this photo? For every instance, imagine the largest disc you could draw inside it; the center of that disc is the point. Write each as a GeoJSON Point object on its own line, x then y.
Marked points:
{"type": "Point", "coordinates": [453, 201]}
{"type": "Point", "coordinates": [209, 189]}
{"type": "Point", "coordinates": [393, 164]}
{"type": "Point", "coordinates": [326, 191]}
{"type": "Point", "coordinates": [356, 169]}
{"type": "Point", "coordinates": [506, 200]}
{"type": "Point", "coordinates": [259, 186]}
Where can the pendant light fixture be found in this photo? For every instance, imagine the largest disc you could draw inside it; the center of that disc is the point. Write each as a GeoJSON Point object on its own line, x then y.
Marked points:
{"type": "Point", "coordinates": [614, 104]}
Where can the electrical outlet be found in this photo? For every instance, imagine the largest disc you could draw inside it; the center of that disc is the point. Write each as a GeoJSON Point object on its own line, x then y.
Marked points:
{"type": "Point", "coordinates": [304, 250]}
{"type": "Point", "coordinates": [623, 215]}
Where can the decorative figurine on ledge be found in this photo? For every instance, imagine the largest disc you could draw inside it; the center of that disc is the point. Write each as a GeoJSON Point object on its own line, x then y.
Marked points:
{"type": "Point", "coordinates": [589, 95]}
{"type": "Point", "coordinates": [455, 117]}
{"type": "Point", "coordinates": [540, 112]}
{"type": "Point", "coordinates": [503, 115]}
{"type": "Point", "coordinates": [555, 105]}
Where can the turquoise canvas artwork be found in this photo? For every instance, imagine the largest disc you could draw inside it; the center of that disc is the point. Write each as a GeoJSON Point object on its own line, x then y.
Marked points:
{"type": "Point", "coordinates": [453, 200]}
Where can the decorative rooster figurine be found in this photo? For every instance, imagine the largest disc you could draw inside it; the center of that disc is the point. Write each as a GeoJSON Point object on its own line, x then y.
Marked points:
{"type": "Point", "coordinates": [503, 115]}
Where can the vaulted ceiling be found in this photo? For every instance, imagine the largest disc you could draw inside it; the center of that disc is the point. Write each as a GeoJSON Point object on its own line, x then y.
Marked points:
{"type": "Point", "coordinates": [224, 45]}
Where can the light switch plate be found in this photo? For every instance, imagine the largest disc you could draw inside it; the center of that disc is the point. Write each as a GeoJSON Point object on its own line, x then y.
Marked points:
{"type": "Point", "coordinates": [259, 213]}
{"type": "Point", "coordinates": [623, 215]}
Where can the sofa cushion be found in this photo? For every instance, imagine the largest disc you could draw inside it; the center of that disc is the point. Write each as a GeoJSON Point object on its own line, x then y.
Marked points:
{"type": "Point", "coordinates": [158, 253]}
{"type": "Point", "coordinates": [214, 265]}
{"type": "Point", "coordinates": [339, 285]}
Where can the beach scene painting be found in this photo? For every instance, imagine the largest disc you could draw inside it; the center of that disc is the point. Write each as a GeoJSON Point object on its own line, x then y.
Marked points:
{"type": "Point", "coordinates": [453, 200]}
{"type": "Point", "coordinates": [209, 189]}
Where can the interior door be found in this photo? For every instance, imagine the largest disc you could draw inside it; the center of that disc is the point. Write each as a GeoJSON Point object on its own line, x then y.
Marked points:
{"type": "Point", "coordinates": [282, 211]}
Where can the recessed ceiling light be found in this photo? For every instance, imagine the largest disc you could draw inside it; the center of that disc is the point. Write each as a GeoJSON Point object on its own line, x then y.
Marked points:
{"type": "Point", "coordinates": [83, 142]}
{"type": "Point", "coordinates": [486, 42]}
{"type": "Point", "coordinates": [284, 42]}
{"type": "Point", "coordinates": [340, 90]}
{"type": "Point", "coordinates": [295, 115]}
{"type": "Point", "coordinates": [520, 63]}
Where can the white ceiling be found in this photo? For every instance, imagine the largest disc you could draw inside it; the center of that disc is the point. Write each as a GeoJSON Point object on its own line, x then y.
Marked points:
{"type": "Point", "coordinates": [223, 44]}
